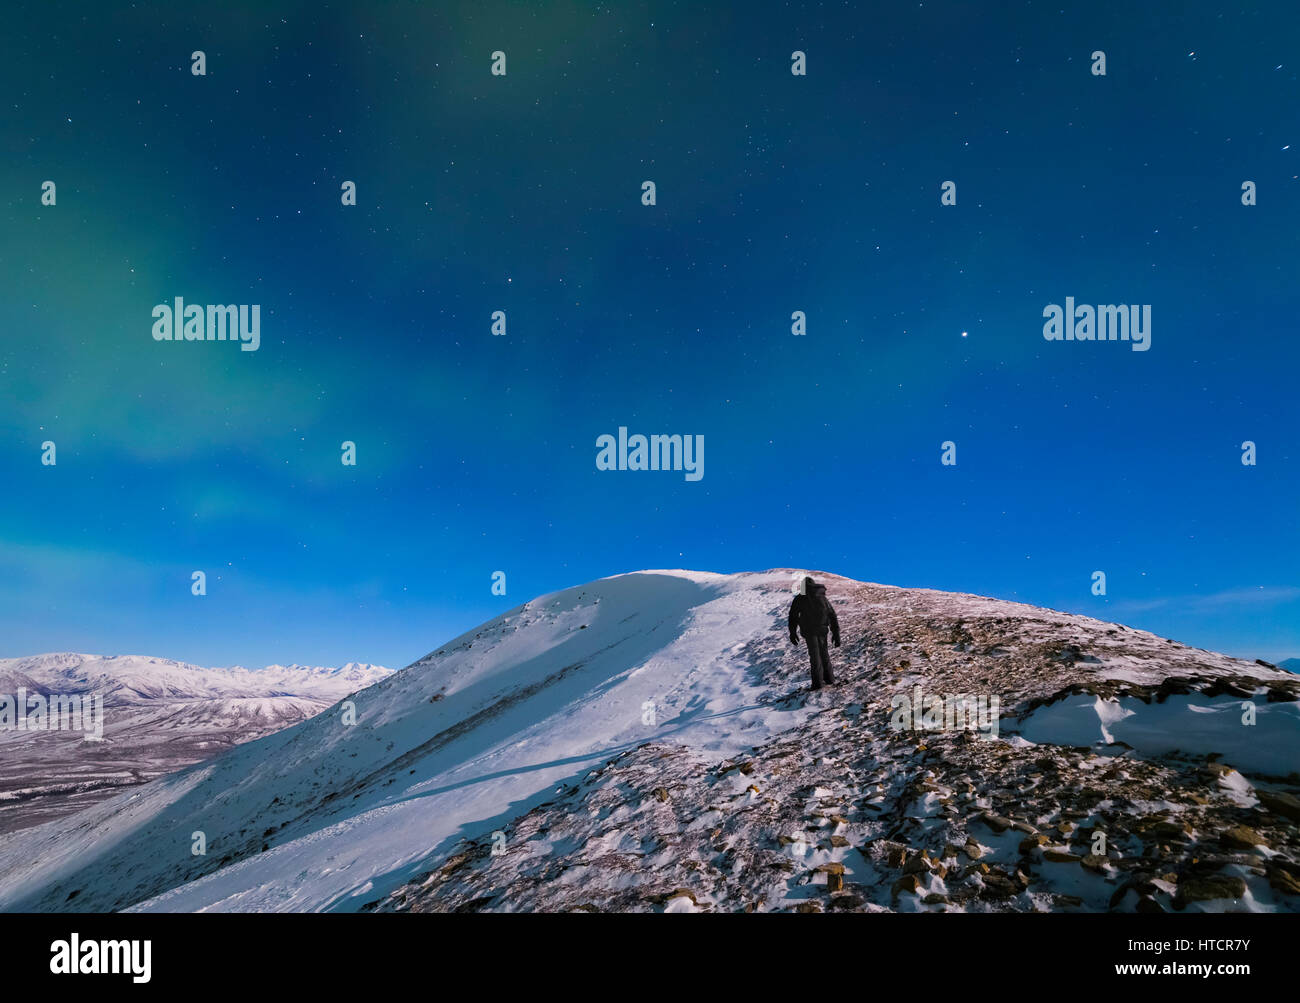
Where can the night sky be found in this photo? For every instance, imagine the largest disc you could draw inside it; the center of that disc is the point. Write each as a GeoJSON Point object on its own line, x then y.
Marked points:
{"type": "Point", "coordinates": [523, 193]}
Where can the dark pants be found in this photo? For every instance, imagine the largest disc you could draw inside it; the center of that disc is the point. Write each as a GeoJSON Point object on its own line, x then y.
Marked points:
{"type": "Point", "coordinates": [819, 657]}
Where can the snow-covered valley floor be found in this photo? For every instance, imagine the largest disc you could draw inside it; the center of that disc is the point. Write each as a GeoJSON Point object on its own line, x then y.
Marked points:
{"type": "Point", "coordinates": [155, 716]}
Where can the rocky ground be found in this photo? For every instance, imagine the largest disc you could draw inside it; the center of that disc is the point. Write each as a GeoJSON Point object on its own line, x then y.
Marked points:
{"type": "Point", "coordinates": [846, 813]}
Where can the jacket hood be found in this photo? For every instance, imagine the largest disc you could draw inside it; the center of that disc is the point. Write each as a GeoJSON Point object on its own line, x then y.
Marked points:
{"type": "Point", "coordinates": [808, 586]}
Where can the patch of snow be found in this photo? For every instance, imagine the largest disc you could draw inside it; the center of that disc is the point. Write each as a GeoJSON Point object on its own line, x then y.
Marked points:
{"type": "Point", "coordinates": [1192, 725]}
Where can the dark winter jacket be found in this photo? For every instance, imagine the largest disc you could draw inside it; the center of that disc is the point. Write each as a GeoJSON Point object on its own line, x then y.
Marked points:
{"type": "Point", "coordinates": [813, 612]}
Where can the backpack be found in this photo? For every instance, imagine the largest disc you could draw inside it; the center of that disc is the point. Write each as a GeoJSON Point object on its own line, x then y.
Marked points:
{"type": "Point", "coordinates": [816, 613]}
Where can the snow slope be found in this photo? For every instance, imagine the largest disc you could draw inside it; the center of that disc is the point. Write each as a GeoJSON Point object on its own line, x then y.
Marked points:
{"type": "Point", "coordinates": [517, 717]}
{"type": "Point", "coordinates": [496, 718]}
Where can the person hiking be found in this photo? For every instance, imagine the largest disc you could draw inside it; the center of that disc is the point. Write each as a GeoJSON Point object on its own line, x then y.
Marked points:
{"type": "Point", "coordinates": [813, 613]}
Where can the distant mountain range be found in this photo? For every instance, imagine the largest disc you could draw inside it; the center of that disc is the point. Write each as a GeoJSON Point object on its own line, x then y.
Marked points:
{"type": "Point", "coordinates": [158, 716]}
{"type": "Point", "coordinates": [1290, 664]}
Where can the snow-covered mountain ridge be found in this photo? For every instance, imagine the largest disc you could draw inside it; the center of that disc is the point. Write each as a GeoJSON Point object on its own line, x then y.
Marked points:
{"type": "Point", "coordinates": [645, 742]}
{"type": "Point", "coordinates": [133, 678]}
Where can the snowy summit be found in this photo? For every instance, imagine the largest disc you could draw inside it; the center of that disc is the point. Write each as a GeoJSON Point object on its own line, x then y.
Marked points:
{"type": "Point", "coordinates": [647, 742]}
